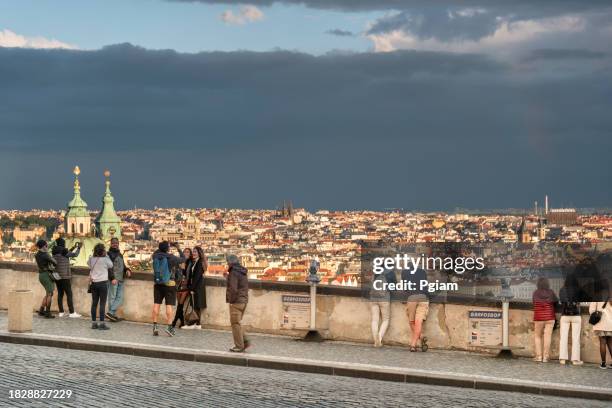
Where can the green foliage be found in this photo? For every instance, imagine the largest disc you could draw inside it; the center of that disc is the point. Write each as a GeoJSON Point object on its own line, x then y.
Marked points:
{"type": "Point", "coordinates": [50, 224]}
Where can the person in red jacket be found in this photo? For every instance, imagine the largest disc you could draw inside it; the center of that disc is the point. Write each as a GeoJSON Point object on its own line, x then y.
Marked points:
{"type": "Point", "coordinates": [544, 300]}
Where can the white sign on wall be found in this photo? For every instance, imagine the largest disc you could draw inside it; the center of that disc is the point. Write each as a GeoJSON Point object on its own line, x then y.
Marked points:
{"type": "Point", "coordinates": [296, 311]}
{"type": "Point", "coordinates": [485, 328]}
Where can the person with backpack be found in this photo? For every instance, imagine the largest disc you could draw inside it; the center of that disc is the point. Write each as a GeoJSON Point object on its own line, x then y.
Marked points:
{"type": "Point", "coordinates": [64, 285]}
{"type": "Point", "coordinates": [196, 267]}
{"type": "Point", "coordinates": [46, 266]}
{"type": "Point", "coordinates": [100, 274]}
{"type": "Point", "coordinates": [166, 267]}
{"type": "Point", "coordinates": [121, 272]}
{"type": "Point", "coordinates": [237, 296]}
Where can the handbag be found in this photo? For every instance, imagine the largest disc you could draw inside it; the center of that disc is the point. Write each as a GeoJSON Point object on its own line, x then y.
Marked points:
{"type": "Point", "coordinates": [596, 315]}
{"type": "Point", "coordinates": [55, 276]}
{"type": "Point", "coordinates": [90, 283]}
{"type": "Point", "coordinates": [191, 317]}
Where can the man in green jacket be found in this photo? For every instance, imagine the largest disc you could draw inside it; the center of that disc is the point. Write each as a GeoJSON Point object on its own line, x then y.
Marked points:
{"type": "Point", "coordinates": [46, 266]}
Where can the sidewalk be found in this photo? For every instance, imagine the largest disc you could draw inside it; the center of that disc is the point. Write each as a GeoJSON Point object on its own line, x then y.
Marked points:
{"type": "Point", "coordinates": [454, 368]}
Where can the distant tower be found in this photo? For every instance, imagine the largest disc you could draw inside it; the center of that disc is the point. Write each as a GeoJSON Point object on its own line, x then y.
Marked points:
{"type": "Point", "coordinates": [108, 223]}
{"type": "Point", "coordinates": [522, 233]}
{"type": "Point", "coordinates": [77, 220]}
{"type": "Point", "coordinates": [535, 205]}
{"type": "Point", "coordinates": [546, 205]}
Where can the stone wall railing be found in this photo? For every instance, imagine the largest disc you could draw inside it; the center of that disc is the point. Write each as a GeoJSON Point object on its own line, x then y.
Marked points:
{"type": "Point", "coordinates": [341, 312]}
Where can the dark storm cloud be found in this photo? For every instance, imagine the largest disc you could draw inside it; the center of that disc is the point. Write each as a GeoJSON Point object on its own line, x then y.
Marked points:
{"type": "Point", "coordinates": [340, 33]}
{"type": "Point", "coordinates": [360, 5]}
{"type": "Point", "coordinates": [549, 54]}
{"type": "Point", "coordinates": [447, 19]}
{"type": "Point", "coordinates": [244, 129]}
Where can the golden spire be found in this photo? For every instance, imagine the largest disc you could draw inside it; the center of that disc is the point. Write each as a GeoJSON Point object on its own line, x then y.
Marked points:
{"type": "Point", "coordinates": [107, 175]}
{"type": "Point", "coordinates": [76, 172]}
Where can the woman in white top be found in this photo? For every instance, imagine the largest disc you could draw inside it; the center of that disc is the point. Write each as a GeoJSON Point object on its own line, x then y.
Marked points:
{"type": "Point", "coordinates": [603, 329]}
{"type": "Point", "coordinates": [100, 272]}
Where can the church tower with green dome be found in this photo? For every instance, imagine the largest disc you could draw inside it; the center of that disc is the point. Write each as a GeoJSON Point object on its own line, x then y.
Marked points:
{"type": "Point", "coordinates": [108, 223]}
{"type": "Point", "coordinates": [78, 221]}
{"type": "Point", "coordinates": [78, 226]}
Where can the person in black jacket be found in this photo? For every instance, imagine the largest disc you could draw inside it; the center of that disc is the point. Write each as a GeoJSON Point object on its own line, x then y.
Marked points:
{"type": "Point", "coordinates": [569, 296]}
{"type": "Point", "coordinates": [182, 290]}
{"type": "Point", "coordinates": [196, 267]}
{"type": "Point", "coordinates": [64, 285]}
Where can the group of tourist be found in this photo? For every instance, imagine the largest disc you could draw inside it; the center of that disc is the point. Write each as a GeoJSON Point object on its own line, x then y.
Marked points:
{"type": "Point", "coordinates": [176, 278]}
{"type": "Point", "coordinates": [180, 278]}
{"type": "Point", "coordinates": [545, 304]}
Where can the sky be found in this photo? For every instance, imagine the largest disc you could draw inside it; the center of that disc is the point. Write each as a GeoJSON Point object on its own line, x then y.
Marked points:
{"type": "Point", "coordinates": [338, 104]}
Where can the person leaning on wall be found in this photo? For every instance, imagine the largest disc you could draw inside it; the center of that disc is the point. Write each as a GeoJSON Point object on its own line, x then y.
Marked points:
{"type": "Point", "coordinates": [544, 300]}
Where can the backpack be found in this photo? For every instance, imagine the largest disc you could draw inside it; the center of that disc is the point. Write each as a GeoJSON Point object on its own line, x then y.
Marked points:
{"type": "Point", "coordinates": [161, 270]}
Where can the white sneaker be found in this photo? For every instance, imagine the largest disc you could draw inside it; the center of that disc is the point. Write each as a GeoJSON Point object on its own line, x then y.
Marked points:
{"type": "Point", "coordinates": [187, 327]}
{"type": "Point", "coordinates": [74, 315]}
{"type": "Point", "coordinates": [62, 314]}
{"type": "Point", "coordinates": [196, 327]}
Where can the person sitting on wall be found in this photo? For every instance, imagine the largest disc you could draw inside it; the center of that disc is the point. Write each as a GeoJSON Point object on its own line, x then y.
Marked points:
{"type": "Point", "coordinates": [417, 306]}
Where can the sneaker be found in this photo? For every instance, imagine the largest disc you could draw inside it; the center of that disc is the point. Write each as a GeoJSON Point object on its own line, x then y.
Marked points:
{"type": "Point", "coordinates": [170, 331]}
{"type": "Point", "coordinates": [48, 315]}
{"type": "Point", "coordinates": [41, 312]}
{"type": "Point", "coordinates": [236, 350]}
{"type": "Point", "coordinates": [562, 362]}
{"type": "Point", "coordinates": [196, 327]}
{"type": "Point", "coordinates": [111, 316]}
{"type": "Point", "coordinates": [74, 315]}
{"type": "Point", "coordinates": [537, 359]}
{"type": "Point", "coordinates": [545, 360]}
{"type": "Point", "coordinates": [155, 330]}
{"type": "Point", "coordinates": [187, 327]}
{"type": "Point", "coordinates": [602, 366]}
{"type": "Point", "coordinates": [577, 362]}
{"type": "Point", "coordinates": [94, 325]}
{"type": "Point", "coordinates": [62, 314]}
{"type": "Point", "coordinates": [103, 326]}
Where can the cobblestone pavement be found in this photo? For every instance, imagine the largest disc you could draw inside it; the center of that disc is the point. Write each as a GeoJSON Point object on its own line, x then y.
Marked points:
{"type": "Point", "coordinates": [433, 360]}
{"type": "Point", "coordinates": [112, 380]}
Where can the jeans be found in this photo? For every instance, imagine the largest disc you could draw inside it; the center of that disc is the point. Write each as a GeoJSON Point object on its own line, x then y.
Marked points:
{"type": "Point", "coordinates": [115, 297]}
{"type": "Point", "coordinates": [378, 309]}
{"type": "Point", "coordinates": [236, 312]}
{"type": "Point", "coordinates": [576, 323]}
{"type": "Point", "coordinates": [543, 336]}
{"type": "Point", "coordinates": [64, 286]}
{"type": "Point", "coordinates": [99, 291]}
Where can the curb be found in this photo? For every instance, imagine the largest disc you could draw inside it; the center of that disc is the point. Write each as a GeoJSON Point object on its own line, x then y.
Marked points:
{"type": "Point", "coordinates": [314, 366]}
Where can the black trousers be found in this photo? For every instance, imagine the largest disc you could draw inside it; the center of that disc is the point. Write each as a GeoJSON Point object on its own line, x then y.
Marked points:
{"type": "Point", "coordinates": [64, 286]}
{"type": "Point", "coordinates": [99, 292]}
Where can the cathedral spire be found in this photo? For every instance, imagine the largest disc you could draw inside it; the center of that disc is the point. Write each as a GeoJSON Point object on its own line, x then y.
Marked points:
{"type": "Point", "coordinates": [108, 222]}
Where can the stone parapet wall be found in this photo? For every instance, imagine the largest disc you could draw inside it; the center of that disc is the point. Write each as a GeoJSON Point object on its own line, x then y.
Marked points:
{"type": "Point", "coordinates": [341, 313]}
